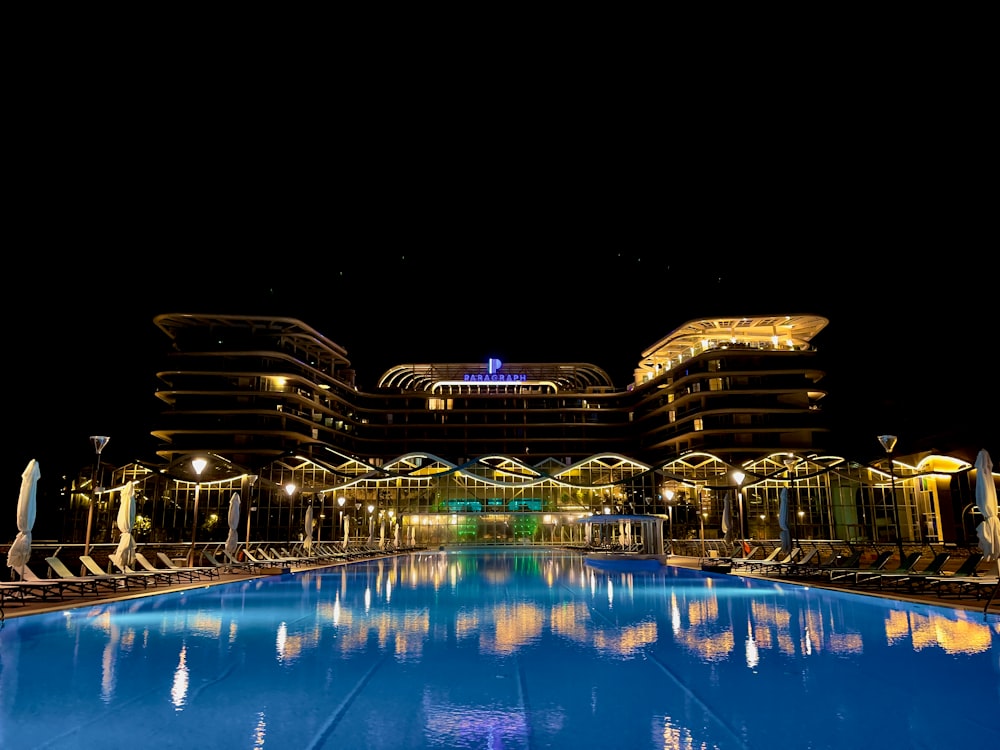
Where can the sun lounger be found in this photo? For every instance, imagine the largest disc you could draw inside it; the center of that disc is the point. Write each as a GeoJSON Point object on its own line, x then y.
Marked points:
{"type": "Point", "coordinates": [912, 578]}
{"type": "Point", "coordinates": [154, 576]}
{"type": "Point", "coordinates": [745, 563]}
{"type": "Point", "coordinates": [109, 581]}
{"type": "Point", "coordinates": [774, 565]}
{"type": "Point", "coordinates": [231, 564]}
{"type": "Point", "coordinates": [11, 592]}
{"type": "Point", "coordinates": [35, 585]}
{"type": "Point", "coordinates": [164, 574]}
{"type": "Point", "coordinates": [905, 567]}
{"type": "Point", "coordinates": [850, 573]}
{"type": "Point", "coordinates": [250, 563]}
{"type": "Point", "coordinates": [134, 576]}
{"type": "Point", "coordinates": [788, 568]}
{"type": "Point", "coordinates": [818, 568]}
{"type": "Point", "coordinates": [194, 572]}
{"type": "Point", "coordinates": [954, 583]}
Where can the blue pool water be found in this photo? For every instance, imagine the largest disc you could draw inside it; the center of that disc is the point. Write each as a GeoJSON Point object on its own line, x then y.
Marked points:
{"type": "Point", "coordinates": [485, 649]}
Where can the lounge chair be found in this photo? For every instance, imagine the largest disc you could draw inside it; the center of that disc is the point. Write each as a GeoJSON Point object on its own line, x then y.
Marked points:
{"type": "Point", "coordinates": [164, 574]}
{"type": "Point", "coordinates": [905, 567]}
{"type": "Point", "coordinates": [776, 564]}
{"type": "Point", "coordinates": [820, 569]}
{"type": "Point", "coordinates": [250, 563]}
{"type": "Point", "coordinates": [109, 581]}
{"type": "Point", "coordinates": [143, 577]}
{"type": "Point", "coordinates": [787, 568]}
{"type": "Point", "coordinates": [193, 571]}
{"type": "Point", "coordinates": [912, 578]}
{"type": "Point", "coordinates": [156, 576]}
{"type": "Point", "coordinates": [229, 565]}
{"type": "Point", "coordinates": [955, 583]}
{"type": "Point", "coordinates": [974, 586]}
{"type": "Point", "coordinates": [37, 586]}
{"type": "Point", "coordinates": [261, 560]}
{"type": "Point", "coordinates": [850, 572]}
{"type": "Point", "coordinates": [745, 554]}
{"type": "Point", "coordinates": [747, 563]}
{"type": "Point", "coordinates": [93, 569]}
{"type": "Point", "coordinates": [11, 592]}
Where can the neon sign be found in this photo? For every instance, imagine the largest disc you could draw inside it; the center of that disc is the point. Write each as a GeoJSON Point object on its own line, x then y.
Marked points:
{"type": "Point", "coordinates": [493, 374]}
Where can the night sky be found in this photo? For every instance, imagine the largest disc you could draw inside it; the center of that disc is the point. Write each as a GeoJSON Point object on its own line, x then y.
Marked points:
{"type": "Point", "coordinates": [537, 238]}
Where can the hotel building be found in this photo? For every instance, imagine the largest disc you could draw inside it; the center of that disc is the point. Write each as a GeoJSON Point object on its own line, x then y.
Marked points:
{"type": "Point", "coordinates": [515, 453]}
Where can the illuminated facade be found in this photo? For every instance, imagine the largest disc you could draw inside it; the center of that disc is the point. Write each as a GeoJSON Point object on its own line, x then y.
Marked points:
{"type": "Point", "coordinates": [516, 453]}
{"type": "Point", "coordinates": [254, 389]}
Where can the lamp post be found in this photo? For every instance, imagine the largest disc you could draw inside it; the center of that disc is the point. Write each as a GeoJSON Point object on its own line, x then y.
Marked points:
{"type": "Point", "coordinates": [98, 441]}
{"type": "Point", "coordinates": [738, 477]}
{"type": "Point", "coordinates": [371, 522]}
{"type": "Point", "coordinates": [789, 462]}
{"type": "Point", "coordinates": [889, 443]}
{"type": "Point", "coordinates": [669, 494]}
{"type": "Point", "coordinates": [250, 506]}
{"type": "Point", "coordinates": [198, 464]}
{"type": "Point", "coordinates": [340, 516]}
{"type": "Point", "coordinates": [319, 526]}
{"type": "Point", "coordinates": [701, 517]}
{"type": "Point", "coordinates": [290, 490]}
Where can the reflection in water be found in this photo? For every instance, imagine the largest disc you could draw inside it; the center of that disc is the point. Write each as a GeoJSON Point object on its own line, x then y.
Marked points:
{"type": "Point", "coordinates": [509, 649]}
{"type": "Point", "coordinates": [179, 688]}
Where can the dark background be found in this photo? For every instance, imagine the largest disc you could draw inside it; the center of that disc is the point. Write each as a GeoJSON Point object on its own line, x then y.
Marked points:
{"type": "Point", "coordinates": [566, 217]}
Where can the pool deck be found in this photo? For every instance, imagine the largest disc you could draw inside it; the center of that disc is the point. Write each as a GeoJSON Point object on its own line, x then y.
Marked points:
{"type": "Point", "coordinates": [34, 606]}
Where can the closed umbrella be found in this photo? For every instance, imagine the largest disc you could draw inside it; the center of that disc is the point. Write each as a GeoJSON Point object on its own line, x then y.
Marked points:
{"type": "Point", "coordinates": [124, 555]}
{"type": "Point", "coordinates": [396, 533]}
{"type": "Point", "coordinates": [20, 551]}
{"type": "Point", "coordinates": [986, 501]}
{"type": "Point", "coordinates": [233, 540]}
{"type": "Point", "coordinates": [728, 532]}
{"type": "Point", "coordinates": [381, 535]}
{"type": "Point", "coordinates": [347, 531]}
{"type": "Point", "coordinates": [308, 541]}
{"type": "Point", "coordinates": [786, 535]}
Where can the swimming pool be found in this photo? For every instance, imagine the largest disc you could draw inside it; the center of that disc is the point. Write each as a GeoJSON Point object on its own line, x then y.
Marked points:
{"type": "Point", "coordinates": [500, 649]}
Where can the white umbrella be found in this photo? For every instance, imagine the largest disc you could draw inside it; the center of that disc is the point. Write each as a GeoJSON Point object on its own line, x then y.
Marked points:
{"type": "Point", "coordinates": [728, 532]}
{"type": "Point", "coordinates": [347, 531]}
{"type": "Point", "coordinates": [786, 536]}
{"type": "Point", "coordinates": [124, 555]}
{"type": "Point", "coordinates": [233, 540]}
{"type": "Point", "coordinates": [381, 534]}
{"type": "Point", "coordinates": [986, 500]}
{"type": "Point", "coordinates": [20, 551]}
{"type": "Point", "coordinates": [308, 541]}
{"type": "Point", "coordinates": [396, 533]}
{"type": "Point", "coordinates": [413, 536]}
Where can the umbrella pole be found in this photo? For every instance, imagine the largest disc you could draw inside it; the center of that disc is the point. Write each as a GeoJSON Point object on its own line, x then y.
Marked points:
{"type": "Point", "coordinates": [988, 601]}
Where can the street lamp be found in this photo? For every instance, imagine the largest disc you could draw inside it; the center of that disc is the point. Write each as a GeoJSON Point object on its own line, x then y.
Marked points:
{"type": "Point", "coordinates": [669, 494]}
{"type": "Point", "coordinates": [340, 516]}
{"type": "Point", "coordinates": [252, 479]}
{"type": "Point", "coordinates": [289, 490]}
{"type": "Point", "coordinates": [889, 443]}
{"type": "Point", "coordinates": [371, 522]}
{"type": "Point", "coordinates": [738, 477]}
{"type": "Point", "coordinates": [789, 462]}
{"type": "Point", "coordinates": [198, 464]}
{"type": "Point", "coordinates": [319, 526]}
{"type": "Point", "coordinates": [98, 441]}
